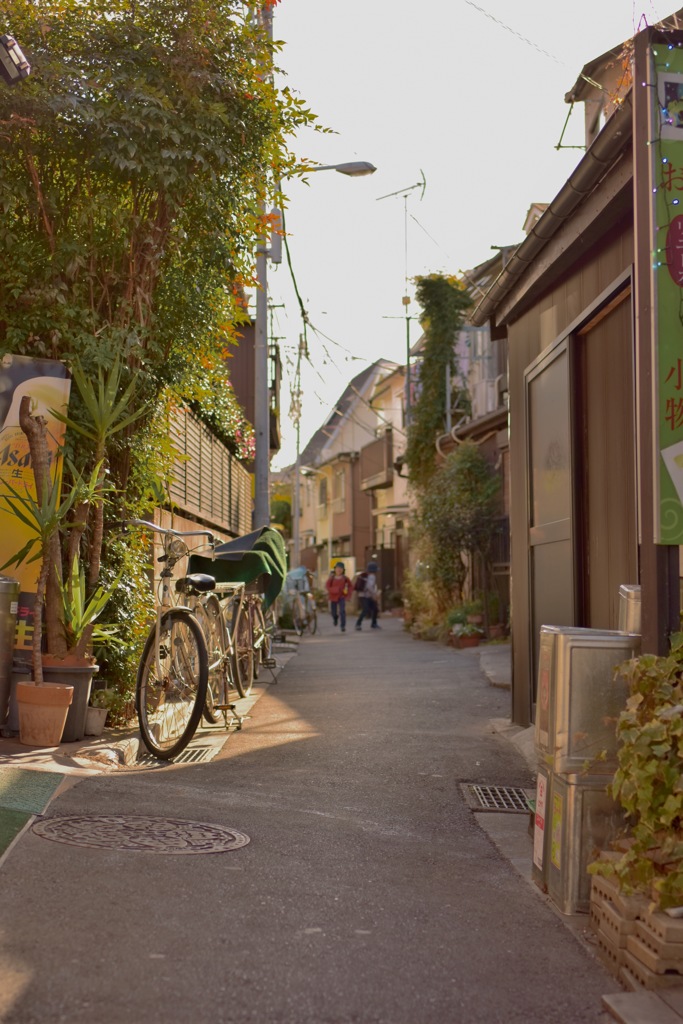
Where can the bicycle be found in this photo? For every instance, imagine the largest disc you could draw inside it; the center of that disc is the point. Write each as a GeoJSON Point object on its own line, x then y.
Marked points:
{"type": "Point", "coordinates": [195, 653]}
{"type": "Point", "coordinates": [304, 612]}
{"type": "Point", "coordinates": [173, 673]}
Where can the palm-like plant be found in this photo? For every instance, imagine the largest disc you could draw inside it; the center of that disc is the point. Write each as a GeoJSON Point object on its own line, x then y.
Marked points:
{"type": "Point", "coordinates": [59, 526]}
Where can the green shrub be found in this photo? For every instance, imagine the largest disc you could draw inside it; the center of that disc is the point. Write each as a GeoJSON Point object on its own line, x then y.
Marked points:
{"type": "Point", "coordinates": [648, 782]}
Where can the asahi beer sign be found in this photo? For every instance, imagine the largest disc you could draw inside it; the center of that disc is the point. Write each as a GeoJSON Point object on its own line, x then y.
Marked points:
{"type": "Point", "coordinates": [47, 383]}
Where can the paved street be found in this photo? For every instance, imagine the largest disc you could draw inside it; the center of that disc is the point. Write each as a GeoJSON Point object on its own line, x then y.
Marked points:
{"type": "Point", "coordinates": [369, 892]}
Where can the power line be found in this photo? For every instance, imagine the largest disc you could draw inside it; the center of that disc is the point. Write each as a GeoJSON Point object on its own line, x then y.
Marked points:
{"type": "Point", "coordinates": [507, 28]}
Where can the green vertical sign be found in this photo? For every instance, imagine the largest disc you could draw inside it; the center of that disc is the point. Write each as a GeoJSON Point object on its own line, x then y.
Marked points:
{"type": "Point", "coordinates": [666, 146]}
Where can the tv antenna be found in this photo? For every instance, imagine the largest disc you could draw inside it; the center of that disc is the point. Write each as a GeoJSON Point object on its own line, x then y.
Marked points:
{"type": "Point", "coordinates": [406, 193]}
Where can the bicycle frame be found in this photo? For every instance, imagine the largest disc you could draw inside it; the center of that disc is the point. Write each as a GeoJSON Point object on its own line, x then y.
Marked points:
{"type": "Point", "coordinates": [175, 549]}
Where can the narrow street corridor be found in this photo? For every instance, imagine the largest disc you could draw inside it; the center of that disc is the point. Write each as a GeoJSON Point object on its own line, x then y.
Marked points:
{"type": "Point", "coordinates": [368, 892]}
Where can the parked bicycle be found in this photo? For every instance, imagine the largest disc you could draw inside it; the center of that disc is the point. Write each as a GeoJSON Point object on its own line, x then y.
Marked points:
{"type": "Point", "coordinates": [302, 602]}
{"type": "Point", "coordinates": [196, 653]}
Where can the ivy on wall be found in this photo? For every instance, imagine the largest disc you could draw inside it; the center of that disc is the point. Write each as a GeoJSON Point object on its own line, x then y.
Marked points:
{"type": "Point", "coordinates": [444, 300]}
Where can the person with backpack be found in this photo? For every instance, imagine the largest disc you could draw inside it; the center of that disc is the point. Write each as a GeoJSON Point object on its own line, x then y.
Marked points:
{"type": "Point", "coordinates": [368, 593]}
{"type": "Point", "coordinates": [338, 586]}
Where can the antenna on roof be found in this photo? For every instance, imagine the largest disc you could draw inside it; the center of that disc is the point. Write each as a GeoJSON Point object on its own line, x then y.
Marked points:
{"type": "Point", "coordinates": [405, 192]}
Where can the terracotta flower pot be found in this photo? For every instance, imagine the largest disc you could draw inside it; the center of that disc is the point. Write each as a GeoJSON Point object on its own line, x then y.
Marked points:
{"type": "Point", "coordinates": [468, 641]}
{"type": "Point", "coordinates": [42, 712]}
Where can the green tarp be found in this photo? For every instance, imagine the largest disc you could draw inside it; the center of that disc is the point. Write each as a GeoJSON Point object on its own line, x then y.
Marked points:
{"type": "Point", "coordinates": [260, 557]}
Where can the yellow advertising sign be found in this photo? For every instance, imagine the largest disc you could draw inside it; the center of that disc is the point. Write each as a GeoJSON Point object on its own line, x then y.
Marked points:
{"type": "Point", "coordinates": [48, 384]}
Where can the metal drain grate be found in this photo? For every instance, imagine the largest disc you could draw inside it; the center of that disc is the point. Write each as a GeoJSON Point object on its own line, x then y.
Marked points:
{"type": "Point", "coordinates": [191, 755]}
{"type": "Point", "coordinates": [497, 798]}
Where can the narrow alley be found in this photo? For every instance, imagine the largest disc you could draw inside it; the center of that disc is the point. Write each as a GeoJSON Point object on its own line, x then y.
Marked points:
{"type": "Point", "coordinates": [368, 892]}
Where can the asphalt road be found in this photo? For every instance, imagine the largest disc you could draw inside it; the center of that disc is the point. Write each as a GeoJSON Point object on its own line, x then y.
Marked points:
{"type": "Point", "coordinates": [368, 893]}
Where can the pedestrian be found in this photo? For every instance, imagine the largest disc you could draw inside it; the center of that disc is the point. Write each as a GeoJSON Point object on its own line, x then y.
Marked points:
{"type": "Point", "coordinates": [366, 588]}
{"type": "Point", "coordinates": [339, 588]}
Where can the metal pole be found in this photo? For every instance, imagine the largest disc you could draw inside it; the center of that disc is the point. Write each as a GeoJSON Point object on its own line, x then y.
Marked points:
{"type": "Point", "coordinates": [296, 501]}
{"type": "Point", "coordinates": [407, 368]}
{"type": "Point", "coordinates": [261, 396]}
{"type": "Point", "coordinates": [261, 383]}
{"type": "Point", "coordinates": [448, 399]}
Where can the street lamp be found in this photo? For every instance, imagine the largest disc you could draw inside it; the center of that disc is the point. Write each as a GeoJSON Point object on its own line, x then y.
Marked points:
{"type": "Point", "coordinates": [13, 63]}
{"type": "Point", "coordinates": [353, 169]}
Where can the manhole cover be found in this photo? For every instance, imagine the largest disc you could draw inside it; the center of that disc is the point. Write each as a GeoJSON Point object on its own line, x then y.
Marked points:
{"type": "Point", "coordinates": [497, 798]}
{"type": "Point", "coordinates": [137, 832]}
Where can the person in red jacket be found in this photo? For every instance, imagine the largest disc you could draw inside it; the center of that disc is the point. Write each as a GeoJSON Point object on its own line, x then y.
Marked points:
{"type": "Point", "coordinates": [339, 588]}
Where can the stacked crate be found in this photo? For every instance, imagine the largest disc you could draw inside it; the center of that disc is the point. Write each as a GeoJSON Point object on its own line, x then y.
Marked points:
{"type": "Point", "coordinates": [640, 946]}
{"type": "Point", "coordinates": [614, 918]}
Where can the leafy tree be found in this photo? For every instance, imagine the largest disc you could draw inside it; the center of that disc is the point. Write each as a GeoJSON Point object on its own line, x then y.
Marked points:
{"type": "Point", "coordinates": [457, 516]}
{"type": "Point", "coordinates": [444, 300]}
{"type": "Point", "coordinates": [281, 512]}
{"type": "Point", "coordinates": [135, 163]}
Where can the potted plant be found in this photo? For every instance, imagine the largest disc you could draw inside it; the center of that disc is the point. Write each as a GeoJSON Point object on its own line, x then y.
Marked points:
{"type": "Point", "coordinates": [647, 782]}
{"type": "Point", "coordinates": [68, 536]}
{"type": "Point", "coordinates": [474, 611]}
{"type": "Point", "coordinates": [43, 707]}
{"type": "Point", "coordinates": [466, 634]}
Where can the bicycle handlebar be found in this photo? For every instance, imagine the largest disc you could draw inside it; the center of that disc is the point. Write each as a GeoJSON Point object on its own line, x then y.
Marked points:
{"type": "Point", "coordinates": [167, 530]}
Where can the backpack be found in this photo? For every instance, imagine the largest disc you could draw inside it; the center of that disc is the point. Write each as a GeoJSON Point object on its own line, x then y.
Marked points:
{"type": "Point", "coordinates": [361, 580]}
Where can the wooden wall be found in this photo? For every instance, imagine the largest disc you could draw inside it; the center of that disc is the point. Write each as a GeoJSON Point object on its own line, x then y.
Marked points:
{"type": "Point", "coordinates": [561, 307]}
{"type": "Point", "coordinates": [208, 481]}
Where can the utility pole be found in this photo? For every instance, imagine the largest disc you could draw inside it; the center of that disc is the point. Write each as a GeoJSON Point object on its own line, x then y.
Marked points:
{"type": "Point", "coordinates": [261, 383]}
{"type": "Point", "coordinates": [296, 495]}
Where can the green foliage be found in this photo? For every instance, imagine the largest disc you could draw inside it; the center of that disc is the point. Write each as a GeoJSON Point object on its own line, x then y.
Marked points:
{"type": "Point", "coordinates": [132, 607]}
{"type": "Point", "coordinates": [649, 779]}
{"type": "Point", "coordinates": [466, 629]}
{"type": "Point", "coordinates": [81, 612]}
{"type": "Point", "coordinates": [456, 616]}
{"type": "Point", "coordinates": [281, 512]}
{"type": "Point", "coordinates": [456, 515]}
{"type": "Point", "coordinates": [134, 165]}
{"type": "Point", "coordinates": [444, 301]}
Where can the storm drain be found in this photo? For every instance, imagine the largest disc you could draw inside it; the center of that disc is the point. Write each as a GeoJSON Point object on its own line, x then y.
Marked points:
{"type": "Point", "coordinates": [497, 798]}
{"type": "Point", "coordinates": [138, 833]}
{"type": "Point", "coordinates": [191, 755]}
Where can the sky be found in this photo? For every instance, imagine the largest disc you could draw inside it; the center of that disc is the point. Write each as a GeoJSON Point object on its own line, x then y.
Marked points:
{"type": "Point", "coordinates": [467, 97]}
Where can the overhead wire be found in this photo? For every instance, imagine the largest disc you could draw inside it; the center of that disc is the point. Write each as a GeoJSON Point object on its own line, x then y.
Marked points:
{"type": "Point", "coordinates": [507, 28]}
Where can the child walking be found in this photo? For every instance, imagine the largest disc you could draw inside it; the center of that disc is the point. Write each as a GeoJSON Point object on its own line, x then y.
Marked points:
{"type": "Point", "coordinates": [338, 589]}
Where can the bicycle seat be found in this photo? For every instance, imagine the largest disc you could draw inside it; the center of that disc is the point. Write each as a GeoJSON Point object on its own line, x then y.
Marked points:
{"type": "Point", "coordinates": [196, 583]}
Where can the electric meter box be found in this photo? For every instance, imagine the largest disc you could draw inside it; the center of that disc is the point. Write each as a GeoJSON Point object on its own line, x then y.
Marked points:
{"type": "Point", "coordinates": [579, 698]}
{"type": "Point", "coordinates": [582, 819]}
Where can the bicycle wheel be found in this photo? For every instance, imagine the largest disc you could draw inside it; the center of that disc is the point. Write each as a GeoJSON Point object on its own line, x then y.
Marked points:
{"type": "Point", "coordinates": [259, 635]}
{"type": "Point", "coordinates": [298, 616]}
{"type": "Point", "coordinates": [171, 684]}
{"type": "Point", "coordinates": [243, 650]}
{"type": "Point", "coordinates": [311, 618]}
{"type": "Point", "coordinates": [208, 614]}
